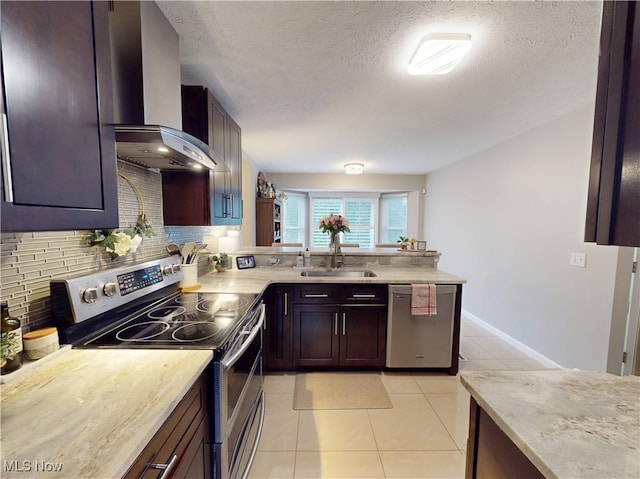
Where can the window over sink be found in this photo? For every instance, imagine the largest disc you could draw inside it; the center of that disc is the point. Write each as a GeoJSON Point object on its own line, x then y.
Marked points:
{"type": "Point", "coordinates": [373, 217]}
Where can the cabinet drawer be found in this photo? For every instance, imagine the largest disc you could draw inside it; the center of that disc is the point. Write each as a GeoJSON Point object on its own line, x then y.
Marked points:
{"type": "Point", "coordinates": [364, 293]}
{"type": "Point", "coordinates": [316, 293]}
{"type": "Point", "coordinates": [175, 435]}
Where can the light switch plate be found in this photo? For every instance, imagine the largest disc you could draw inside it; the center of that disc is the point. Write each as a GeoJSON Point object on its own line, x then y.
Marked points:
{"type": "Point", "coordinates": [579, 260]}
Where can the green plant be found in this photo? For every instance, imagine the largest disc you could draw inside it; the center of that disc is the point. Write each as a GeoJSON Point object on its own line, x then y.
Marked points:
{"type": "Point", "coordinates": [221, 259]}
{"type": "Point", "coordinates": [403, 239]}
{"type": "Point", "coordinates": [7, 346]}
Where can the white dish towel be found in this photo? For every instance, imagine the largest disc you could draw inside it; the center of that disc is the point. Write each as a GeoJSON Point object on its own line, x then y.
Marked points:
{"type": "Point", "coordinates": [423, 299]}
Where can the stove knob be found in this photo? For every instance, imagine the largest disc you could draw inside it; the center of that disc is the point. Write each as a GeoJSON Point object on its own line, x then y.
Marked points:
{"type": "Point", "coordinates": [110, 289]}
{"type": "Point", "coordinates": [176, 267]}
{"type": "Point", "coordinates": [167, 270]}
{"type": "Point", "coordinates": [90, 295]}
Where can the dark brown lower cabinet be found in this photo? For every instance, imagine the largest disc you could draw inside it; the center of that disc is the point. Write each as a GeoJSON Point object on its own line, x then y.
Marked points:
{"type": "Point", "coordinates": [315, 335]}
{"type": "Point", "coordinates": [490, 452]}
{"type": "Point", "coordinates": [325, 326]}
{"type": "Point", "coordinates": [181, 443]}
{"type": "Point", "coordinates": [337, 335]}
{"type": "Point", "coordinates": [278, 334]}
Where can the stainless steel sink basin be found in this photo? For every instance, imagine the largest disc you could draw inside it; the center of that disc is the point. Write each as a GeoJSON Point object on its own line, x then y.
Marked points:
{"type": "Point", "coordinates": [340, 273]}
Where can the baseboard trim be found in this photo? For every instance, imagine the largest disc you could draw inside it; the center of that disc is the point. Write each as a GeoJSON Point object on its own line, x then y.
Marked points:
{"type": "Point", "coordinates": [532, 353]}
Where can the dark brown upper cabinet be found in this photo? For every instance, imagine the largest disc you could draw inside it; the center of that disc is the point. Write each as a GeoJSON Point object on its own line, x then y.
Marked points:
{"type": "Point", "coordinates": [58, 147]}
{"type": "Point", "coordinates": [213, 197]}
{"type": "Point", "coordinates": [613, 206]}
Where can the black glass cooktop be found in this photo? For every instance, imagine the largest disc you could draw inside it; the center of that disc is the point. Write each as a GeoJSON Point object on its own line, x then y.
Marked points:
{"type": "Point", "coordinates": [186, 320]}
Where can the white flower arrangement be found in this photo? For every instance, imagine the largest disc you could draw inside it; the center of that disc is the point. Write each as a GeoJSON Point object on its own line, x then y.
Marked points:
{"type": "Point", "coordinates": [119, 243]}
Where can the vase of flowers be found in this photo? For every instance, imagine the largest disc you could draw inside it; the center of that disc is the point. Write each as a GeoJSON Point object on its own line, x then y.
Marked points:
{"type": "Point", "coordinates": [334, 225]}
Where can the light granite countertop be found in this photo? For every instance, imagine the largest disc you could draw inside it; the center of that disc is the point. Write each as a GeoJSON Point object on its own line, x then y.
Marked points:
{"type": "Point", "coordinates": [569, 424]}
{"type": "Point", "coordinates": [255, 280]}
{"type": "Point", "coordinates": [89, 413]}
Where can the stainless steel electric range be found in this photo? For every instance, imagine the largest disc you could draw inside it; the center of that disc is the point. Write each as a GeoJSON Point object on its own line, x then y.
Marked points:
{"type": "Point", "coordinates": [141, 306]}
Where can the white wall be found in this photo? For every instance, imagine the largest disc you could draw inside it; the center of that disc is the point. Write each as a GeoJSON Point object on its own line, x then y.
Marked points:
{"type": "Point", "coordinates": [507, 220]}
{"type": "Point", "coordinates": [249, 181]}
{"type": "Point", "coordinates": [343, 182]}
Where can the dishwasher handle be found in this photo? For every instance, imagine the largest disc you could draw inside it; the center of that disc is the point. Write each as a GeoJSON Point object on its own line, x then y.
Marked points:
{"type": "Point", "coordinates": [406, 289]}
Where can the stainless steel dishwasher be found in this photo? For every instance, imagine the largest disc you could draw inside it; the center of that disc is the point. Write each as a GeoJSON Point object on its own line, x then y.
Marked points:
{"type": "Point", "coordinates": [420, 341]}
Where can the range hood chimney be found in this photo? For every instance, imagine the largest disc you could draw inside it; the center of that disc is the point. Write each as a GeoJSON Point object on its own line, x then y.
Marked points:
{"type": "Point", "coordinates": [146, 82]}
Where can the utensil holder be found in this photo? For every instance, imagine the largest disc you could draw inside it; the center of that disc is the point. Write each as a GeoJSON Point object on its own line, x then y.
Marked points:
{"type": "Point", "coordinates": [189, 275]}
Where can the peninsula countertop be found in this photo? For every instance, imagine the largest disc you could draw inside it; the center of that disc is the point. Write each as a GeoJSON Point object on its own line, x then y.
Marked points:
{"type": "Point", "coordinates": [89, 413]}
{"type": "Point", "coordinates": [569, 424]}
{"type": "Point", "coordinates": [255, 280]}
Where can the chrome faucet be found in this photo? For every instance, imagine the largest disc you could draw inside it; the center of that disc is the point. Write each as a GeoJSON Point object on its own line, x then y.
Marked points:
{"type": "Point", "coordinates": [337, 251]}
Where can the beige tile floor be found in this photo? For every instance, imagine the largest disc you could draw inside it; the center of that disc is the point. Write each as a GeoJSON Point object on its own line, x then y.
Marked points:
{"type": "Point", "coordinates": [423, 436]}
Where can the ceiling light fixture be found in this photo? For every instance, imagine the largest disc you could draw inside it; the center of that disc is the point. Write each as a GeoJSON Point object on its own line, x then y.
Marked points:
{"type": "Point", "coordinates": [353, 168]}
{"type": "Point", "coordinates": [439, 53]}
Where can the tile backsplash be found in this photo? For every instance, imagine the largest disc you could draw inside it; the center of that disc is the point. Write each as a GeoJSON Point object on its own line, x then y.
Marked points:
{"type": "Point", "coordinates": [30, 260]}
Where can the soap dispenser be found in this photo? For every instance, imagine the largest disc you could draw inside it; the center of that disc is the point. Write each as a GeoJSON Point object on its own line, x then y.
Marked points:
{"type": "Point", "coordinates": [307, 257]}
{"type": "Point", "coordinates": [299, 260]}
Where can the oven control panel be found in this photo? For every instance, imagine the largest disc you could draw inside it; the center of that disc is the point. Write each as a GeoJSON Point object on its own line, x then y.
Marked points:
{"type": "Point", "coordinates": [101, 291]}
{"type": "Point", "coordinates": [139, 279]}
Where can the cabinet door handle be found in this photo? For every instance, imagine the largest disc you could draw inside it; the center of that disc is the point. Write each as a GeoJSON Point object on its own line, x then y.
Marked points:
{"type": "Point", "coordinates": [6, 161]}
{"type": "Point", "coordinates": [313, 295]}
{"type": "Point", "coordinates": [344, 323]}
{"type": "Point", "coordinates": [286, 304]}
{"type": "Point", "coordinates": [225, 206]}
{"type": "Point", "coordinates": [335, 324]}
{"type": "Point", "coordinates": [166, 468]}
{"type": "Point", "coordinates": [231, 203]}
{"type": "Point", "coordinates": [363, 296]}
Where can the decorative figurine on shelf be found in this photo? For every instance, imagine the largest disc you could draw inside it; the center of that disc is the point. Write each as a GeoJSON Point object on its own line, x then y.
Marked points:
{"type": "Point", "coordinates": [261, 186]}
{"type": "Point", "coordinates": [271, 190]}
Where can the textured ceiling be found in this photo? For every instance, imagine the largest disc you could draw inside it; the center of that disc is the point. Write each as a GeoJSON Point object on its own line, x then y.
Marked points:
{"type": "Point", "coordinates": [317, 84]}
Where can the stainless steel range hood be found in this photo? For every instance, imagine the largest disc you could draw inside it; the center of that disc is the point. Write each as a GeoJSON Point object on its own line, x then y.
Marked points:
{"type": "Point", "coordinates": [154, 146]}
{"type": "Point", "coordinates": [147, 101]}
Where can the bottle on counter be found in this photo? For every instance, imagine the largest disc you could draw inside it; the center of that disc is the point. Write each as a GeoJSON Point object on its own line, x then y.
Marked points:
{"type": "Point", "coordinates": [10, 341]}
{"type": "Point", "coordinates": [299, 260]}
{"type": "Point", "coordinates": [307, 257]}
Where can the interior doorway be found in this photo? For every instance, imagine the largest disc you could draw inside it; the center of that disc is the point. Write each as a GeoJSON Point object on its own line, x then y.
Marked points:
{"type": "Point", "coordinates": [624, 341]}
{"type": "Point", "coordinates": [632, 340]}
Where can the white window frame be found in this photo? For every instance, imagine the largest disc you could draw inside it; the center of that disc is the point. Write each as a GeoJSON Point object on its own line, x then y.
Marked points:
{"type": "Point", "coordinates": [308, 228]}
{"type": "Point", "coordinates": [382, 225]}
{"type": "Point", "coordinates": [303, 222]}
{"type": "Point", "coordinates": [343, 196]}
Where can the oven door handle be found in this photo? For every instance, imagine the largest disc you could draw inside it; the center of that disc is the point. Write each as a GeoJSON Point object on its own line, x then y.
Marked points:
{"type": "Point", "coordinates": [228, 362]}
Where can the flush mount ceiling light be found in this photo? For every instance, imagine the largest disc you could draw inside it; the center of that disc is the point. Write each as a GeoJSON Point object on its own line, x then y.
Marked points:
{"type": "Point", "coordinates": [353, 168]}
{"type": "Point", "coordinates": [439, 53]}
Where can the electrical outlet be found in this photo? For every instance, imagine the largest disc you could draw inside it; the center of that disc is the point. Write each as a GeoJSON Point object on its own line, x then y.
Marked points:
{"type": "Point", "coordinates": [579, 260]}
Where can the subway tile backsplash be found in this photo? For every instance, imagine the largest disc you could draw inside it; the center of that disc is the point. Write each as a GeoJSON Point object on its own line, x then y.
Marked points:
{"type": "Point", "coordinates": [30, 260]}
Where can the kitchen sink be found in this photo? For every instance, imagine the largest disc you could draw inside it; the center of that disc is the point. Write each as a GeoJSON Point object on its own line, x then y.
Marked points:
{"type": "Point", "coordinates": [340, 273]}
